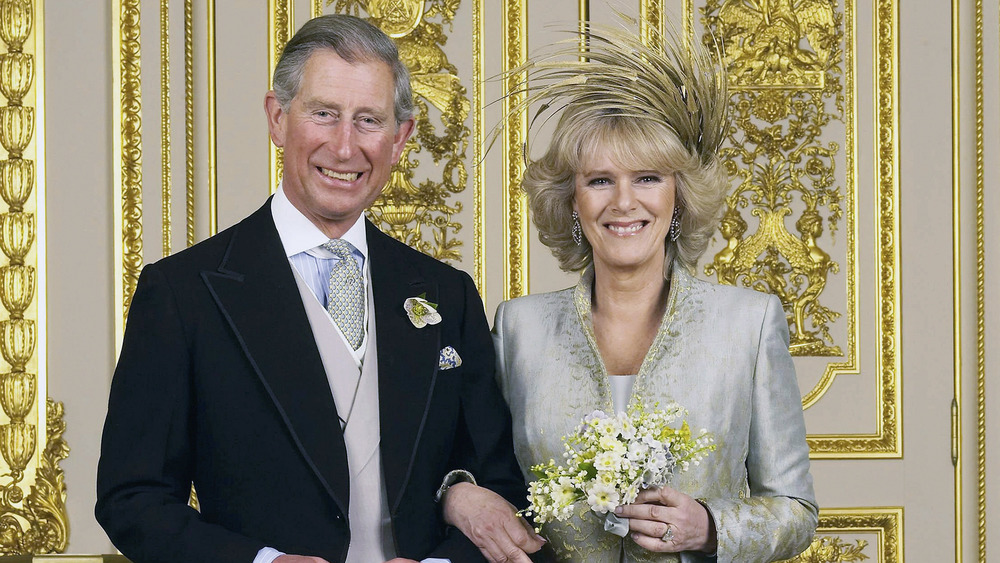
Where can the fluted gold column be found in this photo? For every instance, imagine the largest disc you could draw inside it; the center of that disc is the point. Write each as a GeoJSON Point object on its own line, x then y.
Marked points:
{"type": "Point", "coordinates": [35, 522]}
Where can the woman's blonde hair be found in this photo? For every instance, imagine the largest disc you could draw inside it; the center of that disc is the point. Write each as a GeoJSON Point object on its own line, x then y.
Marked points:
{"type": "Point", "coordinates": [634, 143]}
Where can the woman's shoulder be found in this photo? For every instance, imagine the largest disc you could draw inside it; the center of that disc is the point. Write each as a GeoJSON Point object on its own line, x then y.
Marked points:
{"type": "Point", "coordinates": [535, 306]}
{"type": "Point", "coordinates": [725, 298]}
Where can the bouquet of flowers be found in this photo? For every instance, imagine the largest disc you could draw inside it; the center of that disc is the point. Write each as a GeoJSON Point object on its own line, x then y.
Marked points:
{"type": "Point", "coordinates": [611, 458]}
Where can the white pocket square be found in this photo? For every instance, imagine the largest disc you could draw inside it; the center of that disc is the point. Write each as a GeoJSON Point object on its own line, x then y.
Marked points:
{"type": "Point", "coordinates": [449, 358]}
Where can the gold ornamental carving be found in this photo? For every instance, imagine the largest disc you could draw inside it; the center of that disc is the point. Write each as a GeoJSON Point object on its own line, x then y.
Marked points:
{"type": "Point", "coordinates": [33, 516]}
{"type": "Point", "coordinates": [784, 59]}
{"type": "Point", "coordinates": [886, 524]}
{"type": "Point", "coordinates": [415, 209]}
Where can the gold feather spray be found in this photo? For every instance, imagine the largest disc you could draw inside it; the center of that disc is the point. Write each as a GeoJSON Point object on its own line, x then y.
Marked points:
{"type": "Point", "coordinates": [678, 83]}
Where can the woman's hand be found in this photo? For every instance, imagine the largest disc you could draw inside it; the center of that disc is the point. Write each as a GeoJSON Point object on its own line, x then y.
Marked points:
{"type": "Point", "coordinates": [666, 519]}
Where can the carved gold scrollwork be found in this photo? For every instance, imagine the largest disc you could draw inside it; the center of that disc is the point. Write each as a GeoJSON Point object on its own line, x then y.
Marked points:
{"type": "Point", "coordinates": [783, 59]}
{"type": "Point", "coordinates": [414, 210]}
{"type": "Point", "coordinates": [827, 547]}
{"type": "Point", "coordinates": [36, 522]}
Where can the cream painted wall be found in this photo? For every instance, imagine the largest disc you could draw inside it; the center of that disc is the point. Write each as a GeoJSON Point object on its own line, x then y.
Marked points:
{"type": "Point", "coordinates": [78, 183]}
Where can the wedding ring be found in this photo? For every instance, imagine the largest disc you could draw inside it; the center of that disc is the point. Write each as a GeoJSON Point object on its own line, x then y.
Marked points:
{"type": "Point", "coordinates": [669, 535]}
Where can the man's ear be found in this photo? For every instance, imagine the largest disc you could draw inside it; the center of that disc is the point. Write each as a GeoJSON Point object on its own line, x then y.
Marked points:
{"type": "Point", "coordinates": [403, 132]}
{"type": "Point", "coordinates": [275, 119]}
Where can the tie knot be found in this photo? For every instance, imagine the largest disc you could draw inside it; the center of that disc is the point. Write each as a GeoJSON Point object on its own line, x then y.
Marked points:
{"type": "Point", "coordinates": [340, 248]}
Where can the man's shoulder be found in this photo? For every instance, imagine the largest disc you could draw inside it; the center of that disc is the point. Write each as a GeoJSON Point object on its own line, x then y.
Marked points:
{"type": "Point", "coordinates": [208, 254]}
{"type": "Point", "coordinates": [407, 257]}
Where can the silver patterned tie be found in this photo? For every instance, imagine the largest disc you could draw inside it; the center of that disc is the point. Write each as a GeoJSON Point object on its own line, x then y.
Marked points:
{"type": "Point", "coordinates": [346, 298]}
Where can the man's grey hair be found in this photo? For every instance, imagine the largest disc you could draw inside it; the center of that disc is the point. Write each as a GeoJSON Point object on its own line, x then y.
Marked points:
{"type": "Point", "coordinates": [354, 40]}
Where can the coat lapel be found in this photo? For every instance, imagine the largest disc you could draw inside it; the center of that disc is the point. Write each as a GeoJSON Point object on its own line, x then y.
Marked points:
{"type": "Point", "coordinates": [256, 291]}
{"type": "Point", "coordinates": [407, 358]}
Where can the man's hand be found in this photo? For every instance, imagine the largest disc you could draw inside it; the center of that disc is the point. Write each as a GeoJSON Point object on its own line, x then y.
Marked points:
{"type": "Point", "coordinates": [491, 523]}
{"type": "Point", "coordinates": [299, 559]}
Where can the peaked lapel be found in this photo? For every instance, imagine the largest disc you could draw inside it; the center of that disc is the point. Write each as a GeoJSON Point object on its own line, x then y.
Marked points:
{"type": "Point", "coordinates": [407, 357]}
{"type": "Point", "coordinates": [256, 291]}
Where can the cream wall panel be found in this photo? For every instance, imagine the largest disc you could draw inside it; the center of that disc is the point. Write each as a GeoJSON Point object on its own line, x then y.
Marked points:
{"type": "Point", "coordinates": [80, 288]}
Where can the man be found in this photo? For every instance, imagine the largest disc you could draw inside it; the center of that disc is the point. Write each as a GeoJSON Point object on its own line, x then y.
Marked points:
{"type": "Point", "coordinates": [275, 367]}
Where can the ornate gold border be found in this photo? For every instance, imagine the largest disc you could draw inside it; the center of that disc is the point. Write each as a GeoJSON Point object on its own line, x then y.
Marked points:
{"type": "Point", "coordinates": [280, 27]}
{"type": "Point", "coordinates": [980, 288]}
{"type": "Point", "coordinates": [479, 123]}
{"type": "Point", "coordinates": [36, 522]}
{"type": "Point", "coordinates": [886, 523]}
{"type": "Point", "coordinates": [886, 441]}
{"type": "Point", "coordinates": [651, 18]}
{"type": "Point", "coordinates": [189, 119]}
{"type": "Point", "coordinates": [956, 200]}
{"type": "Point", "coordinates": [128, 169]}
{"type": "Point", "coordinates": [515, 209]}
{"type": "Point", "coordinates": [165, 123]}
{"type": "Point", "coordinates": [213, 136]}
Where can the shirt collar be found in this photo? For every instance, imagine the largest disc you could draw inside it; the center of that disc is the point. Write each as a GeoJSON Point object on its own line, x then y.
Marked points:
{"type": "Point", "coordinates": [298, 234]}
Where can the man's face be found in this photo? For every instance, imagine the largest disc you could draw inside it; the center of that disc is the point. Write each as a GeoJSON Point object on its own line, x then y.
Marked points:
{"type": "Point", "coordinates": [340, 138]}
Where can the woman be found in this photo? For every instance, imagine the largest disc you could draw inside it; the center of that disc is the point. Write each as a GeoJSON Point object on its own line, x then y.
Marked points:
{"type": "Point", "coordinates": [629, 193]}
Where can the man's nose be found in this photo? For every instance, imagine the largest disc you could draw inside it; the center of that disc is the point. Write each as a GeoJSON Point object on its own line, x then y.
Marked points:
{"type": "Point", "coordinates": [343, 140]}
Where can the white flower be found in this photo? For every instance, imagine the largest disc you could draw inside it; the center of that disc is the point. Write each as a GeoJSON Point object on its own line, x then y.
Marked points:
{"type": "Point", "coordinates": [563, 492]}
{"type": "Point", "coordinates": [607, 461]}
{"type": "Point", "coordinates": [421, 312]}
{"type": "Point", "coordinates": [637, 451]}
{"type": "Point", "coordinates": [612, 444]}
{"type": "Point", "coordinates": [602, 498]}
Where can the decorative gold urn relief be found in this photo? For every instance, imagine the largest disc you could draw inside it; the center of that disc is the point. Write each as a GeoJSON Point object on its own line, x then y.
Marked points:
{"type": "Point", "coordinates": [784, 60]}
{"type": "Point", "coordinates": [883, 525]}
{"type": "Point", "coordinates": [32, 493]}
{"type": "Point", "coordinates": [413, 208]}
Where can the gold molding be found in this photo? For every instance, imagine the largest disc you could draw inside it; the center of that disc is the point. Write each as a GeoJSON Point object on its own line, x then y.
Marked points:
{"type": "Point", "coordinates": [956, 213]}
{"type": "Point", "coordinates": [651, 20]}
{"type": "Point", "coordinates": [165, 123]}
{"type": "Point", "coordinates": [213, 137]}
{"type": "Point", "coordinates": [280, 27]}
{"type": "Point", "coordinates": [128, 169]}
{"type": "Point", "coordinates": [886, 523]}
{"type": "Point", "coordinates": [36, 522]}
{"type": "Point", "coordinates": [189, 119]}
{"type": "Point", "coordinates": [980, 289]}
{"type": "Point", "coordinates": [479, 138]}
{"type": "Point", "coordinates": [886, 441]}
{"type": "Point", "coordinates": [514, 24]}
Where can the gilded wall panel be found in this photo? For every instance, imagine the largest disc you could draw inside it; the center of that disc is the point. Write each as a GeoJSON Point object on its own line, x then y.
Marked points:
{"type": "Point", "coordinates": [856, 534]}
{"type": "Point", "coordinates": [790, 223]}
{"type": "Point", "coordinates": [426, 203]}
{"type": "Point", "coordinates": [33, 517]}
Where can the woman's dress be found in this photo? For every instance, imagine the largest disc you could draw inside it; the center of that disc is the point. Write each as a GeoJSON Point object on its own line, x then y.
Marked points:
{"type": "Point", "coordinates": [720, 352]}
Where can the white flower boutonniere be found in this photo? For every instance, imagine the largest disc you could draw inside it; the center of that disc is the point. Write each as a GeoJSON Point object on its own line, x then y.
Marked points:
{"type": "Point", "coordinates": [421, 311]}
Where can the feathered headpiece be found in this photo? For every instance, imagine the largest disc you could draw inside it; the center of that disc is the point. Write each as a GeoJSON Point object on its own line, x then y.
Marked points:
{"type": "Point", "coordinates": [673, 82]}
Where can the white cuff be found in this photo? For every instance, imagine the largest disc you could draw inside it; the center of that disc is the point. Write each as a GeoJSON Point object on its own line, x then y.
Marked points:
{"type": "Point", "coordinates": [267, 555]}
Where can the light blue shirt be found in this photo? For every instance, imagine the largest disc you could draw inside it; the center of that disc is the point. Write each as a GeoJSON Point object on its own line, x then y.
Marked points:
{"type": "Point", "coordinates": [303, 244]}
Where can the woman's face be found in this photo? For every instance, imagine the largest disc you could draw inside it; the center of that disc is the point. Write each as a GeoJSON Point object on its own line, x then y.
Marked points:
{"type": "Point", "coordinates": [625, 214]}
